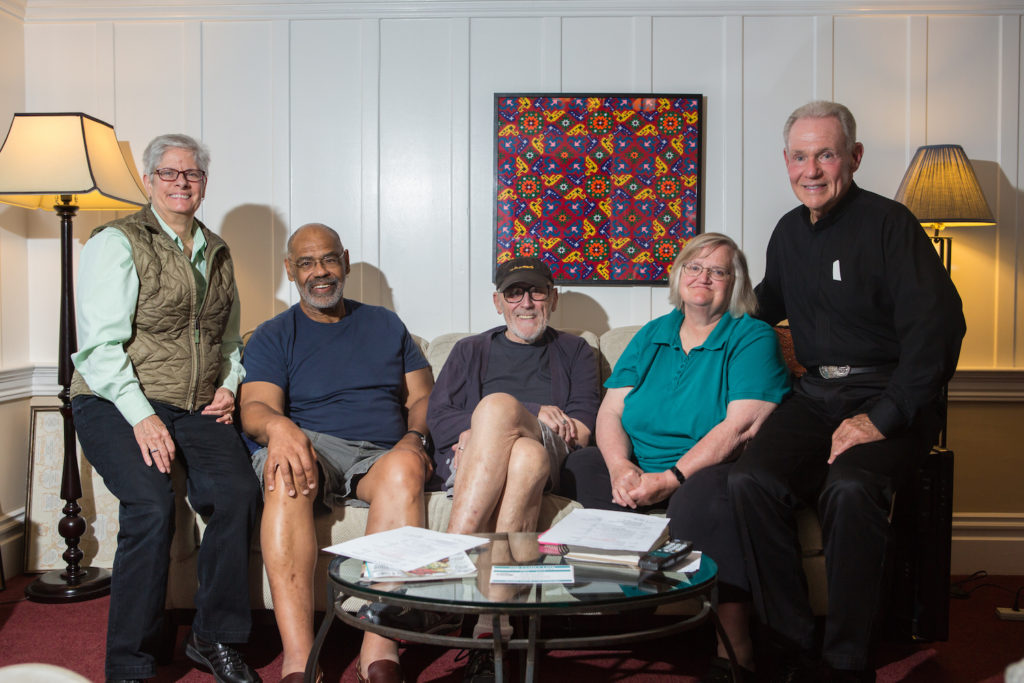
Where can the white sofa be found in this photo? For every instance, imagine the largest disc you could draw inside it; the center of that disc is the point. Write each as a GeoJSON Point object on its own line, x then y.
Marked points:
{"type": "Point", "coordinates": [350, 522]}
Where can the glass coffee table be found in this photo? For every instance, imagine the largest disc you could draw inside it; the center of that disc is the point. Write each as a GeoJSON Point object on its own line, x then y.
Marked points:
{"type": "Point", "coordinates": [598, 590]}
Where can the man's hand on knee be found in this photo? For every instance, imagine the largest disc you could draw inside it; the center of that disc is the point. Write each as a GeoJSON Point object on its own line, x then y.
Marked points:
{"type": "Point", "coordinates": [851, 432]}
{"type": "Point", "coordinates": [290, 457]}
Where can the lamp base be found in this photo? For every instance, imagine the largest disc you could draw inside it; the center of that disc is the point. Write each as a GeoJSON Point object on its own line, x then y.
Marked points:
{"type": "Point", "coordinates": [51, 587]}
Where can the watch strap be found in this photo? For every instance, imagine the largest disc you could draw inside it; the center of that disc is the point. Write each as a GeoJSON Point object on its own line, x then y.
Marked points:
{"type": "Point", "coordinates": [423, 437]}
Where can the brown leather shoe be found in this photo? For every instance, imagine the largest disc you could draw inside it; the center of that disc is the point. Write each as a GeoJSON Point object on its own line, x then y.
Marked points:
{"type": "Point", "coordinates": [381, 671]}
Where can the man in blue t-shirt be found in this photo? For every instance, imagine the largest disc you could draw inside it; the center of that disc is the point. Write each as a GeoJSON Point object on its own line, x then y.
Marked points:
{"type": "Point", "coordinates": [336, 391]}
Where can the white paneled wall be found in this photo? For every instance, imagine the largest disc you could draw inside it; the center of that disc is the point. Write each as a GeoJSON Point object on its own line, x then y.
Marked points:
{"type": "Point", "coordinates": [380, 125]}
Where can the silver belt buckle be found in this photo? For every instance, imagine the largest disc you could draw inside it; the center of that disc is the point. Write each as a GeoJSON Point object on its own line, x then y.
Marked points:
{"type": "Point", "coordinates": [833, 371]}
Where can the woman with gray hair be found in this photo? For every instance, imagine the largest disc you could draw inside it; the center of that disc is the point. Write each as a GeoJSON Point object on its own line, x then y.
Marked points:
{"type": "Point", "coordinates": [157, 373]}
{"type": "Point", "coordinates": [691, 388]}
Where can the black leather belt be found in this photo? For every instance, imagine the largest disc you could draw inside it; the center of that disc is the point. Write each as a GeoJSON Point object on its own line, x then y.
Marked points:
{"type": "Point", "coordinates": [840, 371]}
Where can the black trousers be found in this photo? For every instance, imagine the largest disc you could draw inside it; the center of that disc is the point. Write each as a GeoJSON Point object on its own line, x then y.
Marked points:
{"type": "Point", "coordinates": [222, 487]}
{"type": "Point", "coordinates": [786, 467]}
{"type": "Point", "coordinates": [698, 511]}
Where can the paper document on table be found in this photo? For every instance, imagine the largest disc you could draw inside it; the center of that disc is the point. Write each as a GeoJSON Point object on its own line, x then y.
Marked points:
{"type": "Point", "coordinates": [535, 573]}
{"type": "Point", "coordinates": [607, 530]}
{"type": "Point", "coordinates": [406, 548]}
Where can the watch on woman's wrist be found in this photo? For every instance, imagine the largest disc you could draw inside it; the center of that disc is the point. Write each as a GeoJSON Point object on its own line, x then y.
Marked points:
{"type": "Point", "coordinates": [680, 477]}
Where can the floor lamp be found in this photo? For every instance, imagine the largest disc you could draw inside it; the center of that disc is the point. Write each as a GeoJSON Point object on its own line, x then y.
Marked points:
{"type": "Point", "coordinates": [941, 190]}
{"type": "Point", "coordinates": [65, 163]}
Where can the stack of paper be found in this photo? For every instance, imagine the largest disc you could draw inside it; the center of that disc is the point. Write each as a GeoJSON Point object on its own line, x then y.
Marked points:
{"type": "Point", "coordinates": [455, 567]}
{"type": "Point", "coordinates": [607, 536]}
{"type": "Point", "coordinates": [411, 551]}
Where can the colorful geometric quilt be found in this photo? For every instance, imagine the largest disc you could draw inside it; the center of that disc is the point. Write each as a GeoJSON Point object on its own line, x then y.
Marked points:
{"type": "Point", "coordinates": [604, 188]}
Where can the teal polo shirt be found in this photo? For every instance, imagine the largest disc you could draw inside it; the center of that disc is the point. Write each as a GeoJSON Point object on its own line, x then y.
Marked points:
{"type": "Point", "coordinates": [677, 398]}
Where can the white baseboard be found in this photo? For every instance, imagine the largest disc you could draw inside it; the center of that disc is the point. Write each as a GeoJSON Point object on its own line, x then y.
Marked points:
{"type": "Point", "coordinates": [993, 542]}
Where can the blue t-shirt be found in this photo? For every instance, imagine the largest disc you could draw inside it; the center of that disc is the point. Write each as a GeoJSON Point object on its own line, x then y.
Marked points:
{"type": "Point", "coordinates": [677, 398]}
{"type": "Point", "coordinates": [346, 378]}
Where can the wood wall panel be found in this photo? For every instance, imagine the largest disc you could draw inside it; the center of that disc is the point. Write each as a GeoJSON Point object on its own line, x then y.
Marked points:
{"type": "Point", "coordinates": [778, 76]}
{"type": "Point", "coordinates": [416, 166]}
{"type": "Point", "coordinates": [150, 102]}
{"type": "Point", "coordinates": [238, 126]}
{"type": "Point", "coordinates": [506, 56]}
{"type": "Point", "coordinates": [327, 72]}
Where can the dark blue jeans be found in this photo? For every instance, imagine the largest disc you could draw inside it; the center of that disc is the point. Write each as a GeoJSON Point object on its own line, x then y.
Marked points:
{"type": "Point", "coordinates": [222, 487]}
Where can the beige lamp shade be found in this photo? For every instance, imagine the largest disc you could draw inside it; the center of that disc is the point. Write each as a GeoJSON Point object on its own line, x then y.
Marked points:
{"type": "Point", "coordinates": [941, 190]}
{"type": "Point", "coordinates": [46, 156]}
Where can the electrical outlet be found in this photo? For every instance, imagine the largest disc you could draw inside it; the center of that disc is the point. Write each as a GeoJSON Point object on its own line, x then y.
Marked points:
{"type": "Point", "coordinates": [1010, 614]}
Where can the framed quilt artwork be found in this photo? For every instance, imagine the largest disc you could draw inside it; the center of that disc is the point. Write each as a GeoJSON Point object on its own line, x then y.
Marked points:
{"type": "Point", "coordinates": [605, 189]}
{"type": "Point", "coordinates": [44, 546]}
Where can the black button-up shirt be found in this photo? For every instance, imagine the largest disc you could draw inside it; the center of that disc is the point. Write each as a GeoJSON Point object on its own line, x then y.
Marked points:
{"type": "Point", "coordinates": [864, 286]}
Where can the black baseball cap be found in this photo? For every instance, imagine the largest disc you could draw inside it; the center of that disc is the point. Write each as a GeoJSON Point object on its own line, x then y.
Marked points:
{"type": "Point", "coordinates": [525, 269]}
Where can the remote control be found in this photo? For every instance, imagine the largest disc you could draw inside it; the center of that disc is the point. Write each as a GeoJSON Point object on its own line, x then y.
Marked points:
{"type": "Point", "coordinates": [666, 556]}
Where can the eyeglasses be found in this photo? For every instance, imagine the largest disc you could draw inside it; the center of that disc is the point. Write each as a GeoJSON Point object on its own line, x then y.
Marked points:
{"type": "Point", "coordinates": [515, 294]}
{"type": "Point", "coordinates": [307, 263]}
{"type": "Point", "coordinates": [696, 270]}
{"type": "Point", "coordinates": [193, 175]}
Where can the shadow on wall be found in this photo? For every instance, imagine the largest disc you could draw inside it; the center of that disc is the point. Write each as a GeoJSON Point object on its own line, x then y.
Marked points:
{"type": "Point", "coordinates": [579, 311]}
{"type": "Point", "coordinates": [368, 284]}
{"type": "Point", "coordinates": [257, 235]}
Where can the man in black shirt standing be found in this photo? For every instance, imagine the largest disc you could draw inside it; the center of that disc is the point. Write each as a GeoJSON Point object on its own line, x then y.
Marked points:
{"type": "Point", "coordinates": [878, 324]}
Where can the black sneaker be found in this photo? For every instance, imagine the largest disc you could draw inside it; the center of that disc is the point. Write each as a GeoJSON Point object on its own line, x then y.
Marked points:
{"type": "Point", "coordinates": [409, 619]}
{"type": "Point", "coordinates": [223, 661]}
{"type": "Point", "coordinates": [480, 667]}
{"type": "Point", "coordinates": [720, 671]}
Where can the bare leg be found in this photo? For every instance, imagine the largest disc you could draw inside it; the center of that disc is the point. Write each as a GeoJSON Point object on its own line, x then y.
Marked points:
{"type": "Point", "coordinates": [528, 470]}
{"type": "Point", "coordinates": [735, 618]}
{"type": "Point", "coordinates": [288, 542]}
{"type": "Point", "coordinates": [502, 471]}
{"type": "Point", "coordinates": [394, 489]}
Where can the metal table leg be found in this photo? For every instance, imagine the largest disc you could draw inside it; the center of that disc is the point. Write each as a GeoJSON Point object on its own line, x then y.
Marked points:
{"type": "Point", "coordinates": [321, 636]}
{"type": "Point", "coordinates": [499, 649]}
{"type": "Point", "coordinates": [531, 647]}
{"type": "Point", "coordinates": [734, 665]}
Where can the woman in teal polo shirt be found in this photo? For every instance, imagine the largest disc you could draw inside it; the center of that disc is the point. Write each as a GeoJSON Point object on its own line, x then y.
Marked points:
{"type": "Point", "coordinates": [689, 391]}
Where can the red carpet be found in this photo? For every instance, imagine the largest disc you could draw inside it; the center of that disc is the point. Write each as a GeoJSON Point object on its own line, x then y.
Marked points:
{"type": "Point", "coordinates": [979, 649]}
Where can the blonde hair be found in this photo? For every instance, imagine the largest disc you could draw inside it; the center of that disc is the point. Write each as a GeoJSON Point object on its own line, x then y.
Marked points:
{"type": "Point", "coordinates": [742, 299]}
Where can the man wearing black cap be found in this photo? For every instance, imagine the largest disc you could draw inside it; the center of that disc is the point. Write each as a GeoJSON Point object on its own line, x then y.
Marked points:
{"type": "Point", "coordinates": [507, 408]}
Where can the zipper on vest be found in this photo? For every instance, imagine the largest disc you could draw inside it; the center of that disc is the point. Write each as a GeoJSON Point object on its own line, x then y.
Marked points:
{"type": "Point", "coordinates": [198, 356]}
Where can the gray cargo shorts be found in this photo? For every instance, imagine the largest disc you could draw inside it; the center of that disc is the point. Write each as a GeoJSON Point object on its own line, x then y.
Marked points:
{"type": "Point", "coordinates": [341, 463]}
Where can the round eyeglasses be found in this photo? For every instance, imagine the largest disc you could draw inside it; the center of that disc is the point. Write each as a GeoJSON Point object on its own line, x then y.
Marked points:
{"type": "Point", "coordinates": [169, 175]}
{"type": "Point", "coordinates": [515, 294]}
{"type": "Point", "coordinates": [696, 270]}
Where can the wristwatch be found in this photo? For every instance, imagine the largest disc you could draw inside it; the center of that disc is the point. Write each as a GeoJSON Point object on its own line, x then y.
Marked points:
{"type": "Point", "coordinates": [680, 477]}
{"type": "Point", "coordinates": [423, 439]}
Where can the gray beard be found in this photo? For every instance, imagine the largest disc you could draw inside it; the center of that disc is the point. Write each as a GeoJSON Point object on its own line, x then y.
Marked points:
{"type": "Point", "coordinates": [323, 303]}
